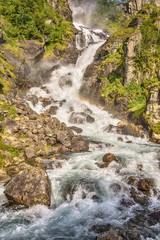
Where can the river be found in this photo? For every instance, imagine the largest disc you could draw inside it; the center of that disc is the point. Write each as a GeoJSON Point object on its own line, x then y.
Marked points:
{"type": "Point", "coordinates": [84, 195]}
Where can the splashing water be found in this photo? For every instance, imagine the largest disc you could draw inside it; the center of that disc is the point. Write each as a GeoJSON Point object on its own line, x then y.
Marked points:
{"type": "Point", "coordinates": [84, 195]}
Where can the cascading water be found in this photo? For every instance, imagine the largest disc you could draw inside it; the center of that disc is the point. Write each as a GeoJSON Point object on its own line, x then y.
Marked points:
{"type": "Point", "coordinates": [85, 195]}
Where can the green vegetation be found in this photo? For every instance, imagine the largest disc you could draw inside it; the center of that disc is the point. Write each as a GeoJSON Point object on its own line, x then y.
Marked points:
{"type": "Point", "coordinates": [1, 118]}
{"type": "Point", "coordinates": [156, 128]}
{"type": "Point", "coordinates": [12, 112]}
{"type": "Point", "coordinates": [148, 51]}
{"type": "Point", "coordinates": [14, 151]}
{"type": "Point", "coordinates": [34, 19]}
{"type": "Point", "coordinates": [6, 72]}
{"type": "Point", "coordinates": [2, 161]}
{"type": "Point", "coordinates": [146, 61]}
{"type": "Point", "coordinates": [108, 15]}
{"type": "Point", "coordinates": [138, 105]}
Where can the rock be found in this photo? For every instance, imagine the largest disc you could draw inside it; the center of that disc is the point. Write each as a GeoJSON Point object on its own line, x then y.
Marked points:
{"type": "Point", "coordinates": [79, 145]}
{"type": "Point", "coordinates": [155, 215]}
{"type": "Point", "coordinates": [80, 118]}
{"type": "Point", "coordinates": [90, 119]}
{"type": "Point", "coordinates": [11, 125]}
{"type": "Point", "coordinates": [110, 128]}
{"type": "Point", "coordinates": [64, 138]}
{"type": "Point", "coordinates": [30, 152]}
{"type": "Point", "coordinates": [51, 141]}
{"type": "Point", "coordinates": [33, 99]}
{"type": "Point", "coordinates": [76, 129]}
{"type": "Point", "coordinates": [145, 184]}
{"type": "Point", "coordinates": [46, 102]}
{"type": "Point", "coordinates": [139, 198]}
{"type": "Point", "coordinates": [120, 139]}
{"type": "Point", "coordinates": [29, 187]}
{"type": "Point", "coordinates": [52, 110]}
{"type": "Point", "coordinates": [112, 234]}
{"type": "Point", "coordinates": [49, 132]}
{"type": "Point", "coordinates": [65, 81]}
{"type": "Point", "coordinates": [107, 159]}
{"type": "Point", "coordinates": [4, 177]}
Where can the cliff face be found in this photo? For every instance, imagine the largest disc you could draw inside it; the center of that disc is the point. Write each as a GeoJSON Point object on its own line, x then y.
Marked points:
{"type": "Point", "coordinates": [136, 5]}
{"type": "Point", "coordinates": [29, 62]}
{"type": "Point", "coordinates": [125, 75]}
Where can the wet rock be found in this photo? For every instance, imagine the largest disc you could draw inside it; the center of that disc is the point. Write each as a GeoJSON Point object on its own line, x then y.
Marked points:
{"type": "Point", "coordinates": [145, 184]}
{"type": "Point", "coordinates": [80, 118]}
{"type": "Point", "coordinates": [76, 129]}
{"type": "Point", "coordinates": [46, 102]}
{"type": "Point", "coordinates": [110, 128]}
{"type": "Point", "coordinates": [90, 119]}
{"type": "Point", "coordinates": [139, 198]}
{"type": "Point", "coordinates": [33, 99]}
{"type": "Point", "coordinates": [29, 187]}
{"type": "Point", "coordinates": [62, 102]}
{"type": "Point", "coordinates": [44, 88]}
{"type": "Point", "coordinates": [79, 145]}
{"type": "Point", "coordinates": [65, 81]}
{"type": "Point", "coordinates": [120, 139]}
{"type": "Point", "coordinates": [112, 234]}
{"type": "Point", "coordinates": [107, 159]}
{"type": "Point", "coordinates": [126, 202]}
{"type": "Point", "coordinates": [155, 215]}
{"type": "Point", "coordinates": [52, 110]}
{"type": "Point", "coordinates": [115, 187]}
{"type": "Point", "coordinates": [30, 152]}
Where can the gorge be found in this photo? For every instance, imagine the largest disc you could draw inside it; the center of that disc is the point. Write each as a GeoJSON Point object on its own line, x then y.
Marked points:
{"type": "Point", "coordinates": [60, 148]}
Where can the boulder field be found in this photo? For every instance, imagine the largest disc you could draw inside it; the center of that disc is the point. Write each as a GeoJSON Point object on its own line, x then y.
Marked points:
{"type": "Point", "coordinates": [30, 143]}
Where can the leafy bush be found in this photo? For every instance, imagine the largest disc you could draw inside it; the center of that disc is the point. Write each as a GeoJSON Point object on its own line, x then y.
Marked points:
{"type": "Point", "coordinates": [27, 20]}
{"type": "Point", "coordinates": [156, 128]}
{"type": "Point", "coordinates": [138, 105]}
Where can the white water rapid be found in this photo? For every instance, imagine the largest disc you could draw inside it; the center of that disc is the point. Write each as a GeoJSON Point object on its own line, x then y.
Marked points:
{"type": "Point", "coordinates": [93, 195]}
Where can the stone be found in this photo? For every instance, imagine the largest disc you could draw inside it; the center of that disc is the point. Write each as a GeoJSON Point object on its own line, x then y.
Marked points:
{"type": "Point", "coordinates": [52, 110]}
{"type": "Point", "coordinates": [11, 125]}
{"type": "Point", "coordinates": [64, 138]}
{"type": "Point", "coordinates": [107, 159]}
{"type": "Point", "coordinates": [4, 177]}
{"type": "Point", "coordinates": [80, 118]}
{"type": "Point", "coordinates": [48, 132]}
{"type": "Point", "coordinates": [79, 145]}
{"type": "Point", "coordinates": [29, 187]}
{"type": "Point", "coordinates": [145, 184]}
{"type": "Point", "coordinates": [76, 129]}
{"type": "Point", "coordinates": [30, 152]}
{"type": "Point", "coordinates": [155, 215]}
{"type": "Point", "coordinates": [46, 102]}
{"type": "Point", "coordinates": [112, 234]}
{"type": "Point", "coordinates": [33, 99]}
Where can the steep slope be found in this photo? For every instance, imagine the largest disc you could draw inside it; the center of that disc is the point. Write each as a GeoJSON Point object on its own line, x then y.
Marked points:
{"type": "Point", "coordinates": [34, 35]}
{"type": "Point", "coordinates": [125, 76]}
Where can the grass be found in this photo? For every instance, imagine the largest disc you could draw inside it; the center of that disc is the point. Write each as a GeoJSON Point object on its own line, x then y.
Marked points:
{"type": "Point", "coordinates": [12, 112]}
{"type": "Point", "coordinates": [14, 151]}
{"type": "Point", "coordinates": [156, 128]}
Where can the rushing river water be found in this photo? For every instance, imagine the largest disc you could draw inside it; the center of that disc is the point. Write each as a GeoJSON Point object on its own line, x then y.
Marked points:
{"type": "Point", "coordinates": [84, 195]}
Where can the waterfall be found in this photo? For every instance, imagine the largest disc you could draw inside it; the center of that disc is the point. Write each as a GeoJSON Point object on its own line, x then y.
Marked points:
{"type": "Point", "coordinates": [84, 195]}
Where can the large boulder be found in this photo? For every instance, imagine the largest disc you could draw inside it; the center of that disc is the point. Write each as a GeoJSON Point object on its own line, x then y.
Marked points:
{"type": "Point", "coordinates": [29, 187]}
{"type": "Point", "coordinates": [107, 159]}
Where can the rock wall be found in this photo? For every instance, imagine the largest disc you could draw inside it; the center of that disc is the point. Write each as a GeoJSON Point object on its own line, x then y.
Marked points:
{"type": "Point", "coordinates": [124, 77]}
{"type": "Point", "coordinates": [136, 5]}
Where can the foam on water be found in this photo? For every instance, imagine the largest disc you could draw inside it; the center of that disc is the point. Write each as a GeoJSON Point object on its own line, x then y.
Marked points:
{"type": "Point", "coordinates": [83, 194]}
